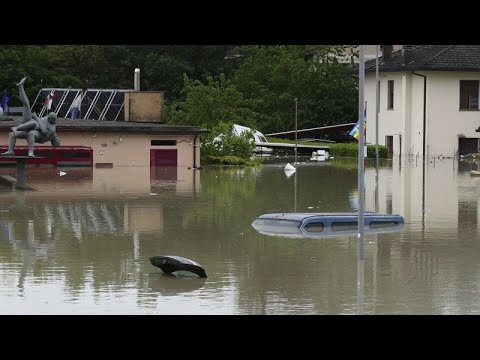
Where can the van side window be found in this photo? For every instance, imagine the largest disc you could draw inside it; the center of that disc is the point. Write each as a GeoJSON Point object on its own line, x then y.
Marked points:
{"type": "Point", "coordinates": [314, 227]}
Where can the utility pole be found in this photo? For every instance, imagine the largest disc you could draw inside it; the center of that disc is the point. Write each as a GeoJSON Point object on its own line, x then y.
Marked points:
{"type": "Point", "coordinates": [361, 181]}
{"type": "Point", "coordinates": [361, 142]}
{"type": "Point", "coordinates": [377, 89]}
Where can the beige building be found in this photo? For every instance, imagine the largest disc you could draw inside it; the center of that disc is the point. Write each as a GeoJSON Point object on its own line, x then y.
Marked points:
{"type": "Point", "coordinates": [124, 143]}
{"type": "Point", "coordinates": [139, 137]}
{"type": "Point", "coordinates": [429, 100]}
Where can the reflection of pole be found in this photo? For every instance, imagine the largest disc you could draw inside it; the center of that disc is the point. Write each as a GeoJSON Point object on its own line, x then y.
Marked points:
{"type": "Point", "coordinates": [375, 253]}
{"type": "Point", "coordinates": [377, 82]}
{"type": "Point", "coordinates": [136, 245]}
{"type": "Point", "coordinates": [11, 233]}
{"type": "Point", "coordinates": [361, 142]}
{"type": "Point", "coordinates": [30, 233]}
{"type": "Point", "coordinates": [360, 285]}
{"type": "Point", "coordinates": [49, 222]}
{"type": "Point", "coordinates": [21, 171]}
{"type": "Point", "coordinates": [296, 119]}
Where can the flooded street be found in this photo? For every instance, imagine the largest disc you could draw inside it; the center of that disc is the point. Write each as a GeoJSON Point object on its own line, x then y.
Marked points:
{"type": "Point", "coordinates": [81, 243]}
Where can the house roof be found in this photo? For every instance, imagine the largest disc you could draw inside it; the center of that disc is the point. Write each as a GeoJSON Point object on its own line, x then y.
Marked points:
{"type": "Point", "coordinates": [431, 57]}
{"type": "Point", "coordinates": [110, 126]}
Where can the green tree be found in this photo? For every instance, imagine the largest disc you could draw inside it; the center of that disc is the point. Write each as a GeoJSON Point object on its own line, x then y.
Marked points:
{"type": "Point", "coordinates": [330, 96]}
{"type": "Point", "coordinates": [109, 66]}
{"type": "Point", "coordinates": [216, 105]}
{"type": "Point", "coordinates": [163, 66]}
{"type": "Point", "coordinates": [41, 64]}
{"type": "Point", "coordinates": [207, 105]}
{"type": "Point", "coordinates": [163, 72]}
{"type": "Point", "coordinates": [273, 76]}
{"type": "Point", "coordinates": [96, 66]}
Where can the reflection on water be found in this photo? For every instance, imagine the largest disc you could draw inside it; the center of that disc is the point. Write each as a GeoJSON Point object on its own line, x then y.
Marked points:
{"type": "Point", "coordinates": [171, 285]}
{"type": "Point", "coordinates": [82, 244]}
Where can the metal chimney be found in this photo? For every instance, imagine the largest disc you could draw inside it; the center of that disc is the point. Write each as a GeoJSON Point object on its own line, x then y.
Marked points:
{"type": "Point", "coordinates": [136, 81]}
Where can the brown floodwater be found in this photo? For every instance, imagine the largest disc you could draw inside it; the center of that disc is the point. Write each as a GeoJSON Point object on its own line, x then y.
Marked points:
{"type": "Point", "coordinates": [80, 244]}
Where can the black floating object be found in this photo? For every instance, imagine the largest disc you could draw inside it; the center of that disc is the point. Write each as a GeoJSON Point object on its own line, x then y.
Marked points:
{"type": "Point", "coordinates": [169, 264]}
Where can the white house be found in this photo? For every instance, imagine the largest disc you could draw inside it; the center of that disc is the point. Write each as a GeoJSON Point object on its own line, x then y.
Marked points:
{"type": "Point", "coordinates": [429, 100]}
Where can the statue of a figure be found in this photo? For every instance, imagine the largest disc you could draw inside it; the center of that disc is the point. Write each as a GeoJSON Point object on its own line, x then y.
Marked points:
{"type": "Point", "coordinates": [32, 128]}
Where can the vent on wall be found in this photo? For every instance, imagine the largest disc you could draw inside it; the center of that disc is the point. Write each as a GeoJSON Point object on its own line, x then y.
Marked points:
{"type": "Point", "coordinates": [104, 165]}
{"type": "Point", "coordinates": [163, 142]}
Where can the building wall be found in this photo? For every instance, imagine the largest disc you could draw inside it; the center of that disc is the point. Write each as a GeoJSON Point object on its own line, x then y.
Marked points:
{"type": "Point", "coordinates": [415, 136]}
{"type": "Point", "coordinates": [144, 106]}
{"type": "Point", "coordinates": [123, 149]}
{"type": "Point", "coordinates": [444, 121]}
{"type": "Point", "coordinates": [389, 121]}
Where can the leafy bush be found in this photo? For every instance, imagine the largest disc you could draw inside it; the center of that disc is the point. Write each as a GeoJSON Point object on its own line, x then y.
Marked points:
{"type": "Point", "coordinates": [222, 141]}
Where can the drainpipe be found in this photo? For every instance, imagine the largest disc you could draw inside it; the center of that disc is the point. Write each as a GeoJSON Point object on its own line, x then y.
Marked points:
{"type": "Point", "coordinates": [424, 147]}
{"type": "Point", "coordinates": [424, 113]}
{"type": "Point", "coordinates": [195, 152]}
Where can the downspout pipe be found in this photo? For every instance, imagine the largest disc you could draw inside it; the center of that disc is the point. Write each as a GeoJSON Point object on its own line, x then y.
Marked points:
{"type": "Point", "coordinates": [424, 147]}
{"type": "Point", "coordinates": [195, 152]}
{"type": "Point", "coordinates": [424, 113]}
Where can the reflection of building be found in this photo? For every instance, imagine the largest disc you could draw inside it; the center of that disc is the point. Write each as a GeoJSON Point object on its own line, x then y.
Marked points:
{"type": "Point", "coordinates": [61, 241]}
{"type": "Point", "coordinates": [408, 193]}
{"type": "Point", "coordinates": [429, 265]}
{"type": "Point", "coordinates": [106, 182]}
{"type": "Point", "coordinates": [143, 218]}
{"type": "Point", "coordinates": [439, 199]}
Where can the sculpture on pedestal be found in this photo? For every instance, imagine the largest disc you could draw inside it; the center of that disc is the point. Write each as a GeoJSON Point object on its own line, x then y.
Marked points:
{"type": "Point", "coordinates": [33, 128]}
